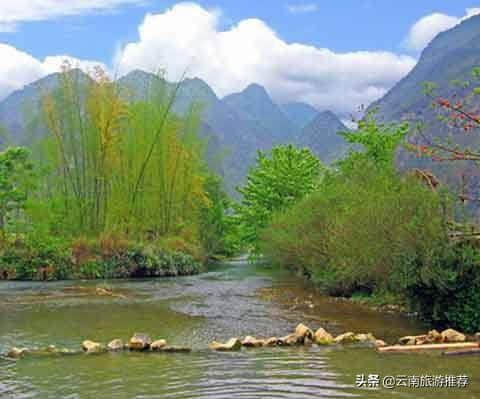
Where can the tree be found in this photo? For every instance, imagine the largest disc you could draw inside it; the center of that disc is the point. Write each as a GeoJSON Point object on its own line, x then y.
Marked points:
{"type": "Point", "coordinates": [277, 182]}
{"type": "Point", "coordinates": [16, 174]}
{"type": "Point", "coordinates": [460, 112]}
{"type": "Point", "coordinates": [379, 142]}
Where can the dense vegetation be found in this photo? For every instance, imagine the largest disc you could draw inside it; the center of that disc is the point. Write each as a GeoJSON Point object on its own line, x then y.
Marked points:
{"type": "Point", "coordinates": [113, 188]}
{"type": "Point", "coordinates": [120, 188]}
{"type": "Point", "coordinates": [367, 229]}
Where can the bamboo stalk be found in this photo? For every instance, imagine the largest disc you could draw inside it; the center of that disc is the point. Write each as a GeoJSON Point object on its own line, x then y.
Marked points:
{"type": "Point", "coordinates": [413, 348]}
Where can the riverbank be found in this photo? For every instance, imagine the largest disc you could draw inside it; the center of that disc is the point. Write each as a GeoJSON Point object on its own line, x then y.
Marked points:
{"type": "Point", "coordinates": [103, 258]}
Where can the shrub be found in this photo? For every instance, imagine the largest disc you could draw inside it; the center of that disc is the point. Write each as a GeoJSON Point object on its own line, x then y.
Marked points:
{"type": "Point", "coordinates": [354, 232]}
{"type": "Point", "coordinates": [447, 293]}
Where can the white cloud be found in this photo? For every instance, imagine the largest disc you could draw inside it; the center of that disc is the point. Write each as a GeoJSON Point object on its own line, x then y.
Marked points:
{"type": "Point", "coordinates": [302, 8]}
{"type": "Point", "coordinates": [426, 28]}
{"type": "Point", "coordinates": [19, 68]}
{"type": "Point", "coordinates": [189, 36]}
{"type": "Point", "coordinates": [13, 12]}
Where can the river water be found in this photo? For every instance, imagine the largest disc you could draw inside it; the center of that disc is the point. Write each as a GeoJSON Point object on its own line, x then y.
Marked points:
{"type": "Point", "coordinates": [234, 299]}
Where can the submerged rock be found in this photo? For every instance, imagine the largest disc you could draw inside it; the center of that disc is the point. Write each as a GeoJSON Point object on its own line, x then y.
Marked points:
{"type": "Point", "coordinates": [233, 344]}
{"type": "Point", "coordinates": [115, 345]}
{"type": "Point", "coordinates": [322, 337]}
{"type": "Point", "coordinates": [16, 353]}
{"type": "Point", "coordinates": [178, 349]}
{"type": "Point", "coordinates": [140, 342]}
{"type": "Point", "coordinates": [451, 335]}
{"type": "Point", "coordinates": [252, 342]}
{"type": "Point", "coordinates": [345, 338]}
{"type": "Point", "coordinates": [157, 345]}
{"type": "Point", "coordinates": [92, 347]}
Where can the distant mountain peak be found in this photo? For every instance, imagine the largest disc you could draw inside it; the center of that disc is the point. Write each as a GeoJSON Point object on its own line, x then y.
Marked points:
{"type": "Point", "coordinates": [254, 89]}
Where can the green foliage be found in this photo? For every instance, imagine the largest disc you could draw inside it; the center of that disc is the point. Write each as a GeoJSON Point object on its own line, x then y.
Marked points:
{"type": "Point", "coordinates": [277, 182]}
{"type": "Point", "coordinates": [379, 142]}
{"type": "Point", "coordinates": [39, 257]}
{"type": "Point", "coordinates": [114, 165]}
{"type": "Point", "coordinates": [447, 292]}
{"type": "Point", "coordinates": [214, 220]}
{"type": "Point", "coordinates": [16, 182]}
{"type": "Point", "coordinates": [352, 233]}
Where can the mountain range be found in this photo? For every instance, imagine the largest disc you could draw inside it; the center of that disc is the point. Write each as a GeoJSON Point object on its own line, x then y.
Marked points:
{"type": "Point", "coordinates": [240, 124]}
{"type": "Point", "coordinates": [448, 62]}
{"type": "Point", "coordinates": [236, 126]}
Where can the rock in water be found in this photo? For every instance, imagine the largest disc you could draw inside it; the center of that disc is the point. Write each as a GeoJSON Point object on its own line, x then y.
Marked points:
{"type": "Point", "coordinates": [322, 337]}
{"type": "Point", "coordinates": [345, 338]}
{"type": "Point", "coordinates": [91, 346]}
{"type": "Point", "coordinates": [140, 342]}
{"type": "Point", "coordinates": [115, 345]}
{"type": "Point", "coordinates": [450, 335]}
{"type": "Point", "coordinates": [233, 344]}
{"type": "Point", "coordinates": [252, 342]}
{"type": "Point", "coordinates": [434, 337]}
{"type": "Point", "coordinates": [290, 339]}
{"type": "Point", "coordinates": [273, 341]}
{"type": "Point", "coordinates": [178, 349]}
{"type": "Point", "coordinates": [407, 340]}
{"type": "Point", "coordinates": [303, 331]}
{"type": "Point", "coordinates": [157, 345]}
{"type": "Point", "coordinates": [379, 343]}
{"type": "Point", "coordinates": [16, 353]}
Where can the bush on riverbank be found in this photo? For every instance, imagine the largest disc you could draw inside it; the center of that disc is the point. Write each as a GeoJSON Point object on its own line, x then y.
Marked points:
{"type": "Point", "coordinates": [49, 258]}
{"type": "Point", "coordinates": [371, 231]}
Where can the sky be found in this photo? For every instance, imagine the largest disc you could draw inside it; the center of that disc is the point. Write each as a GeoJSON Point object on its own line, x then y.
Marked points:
{"type": "Point", "coordinates": [332, 54]}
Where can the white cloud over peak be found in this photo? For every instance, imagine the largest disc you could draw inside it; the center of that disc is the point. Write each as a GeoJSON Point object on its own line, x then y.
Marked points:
{"type": "Point", "coordinates": [302, 8]}
{"type": "Point", "coordinates": [426, 28]}
{"type": "Point", "coordinates": [188, 37]}
{"type": "Point", "coordinates": [13, 12]}
{"type": "Point", "coordinates": [19, 68]}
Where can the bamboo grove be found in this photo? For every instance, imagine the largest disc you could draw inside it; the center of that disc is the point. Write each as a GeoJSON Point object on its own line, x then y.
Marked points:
{"type": "Point", "coordinates": [113, 162]}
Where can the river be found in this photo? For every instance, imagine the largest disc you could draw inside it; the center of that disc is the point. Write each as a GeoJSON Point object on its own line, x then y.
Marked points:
{"type": "Point", "coordinates": [232, 299]}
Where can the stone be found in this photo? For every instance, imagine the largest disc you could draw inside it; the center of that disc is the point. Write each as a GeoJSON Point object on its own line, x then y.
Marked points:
{"type": "Point", "coordinates": [92, 347]}
{"type": "Point", "coordinates": [369, 337]}
{"type": "Point", "coordinates": [16, 353]}
{"type": "Point", "coordinates": [252, 342]}
{"type": "Point", "coordinates": [407, 340]}
{"type": "Point", "coordinates": [303, 331]}
{"type": "Point", "coordinates": [434, 336]}
{"type": "Point", "coordinates": [140, 342]}
{"type": "Point", "coordinates": [379, 343]}
{"type": "Point", "coordinates": [157, 345]}
{"type": "Point", "coordinates": [477, 337]}
{"type": "Point", "coordinates": [233, 344]}
{"type": "Point", "coordinates": [289, 340]}
{"type": "Point", "coordinates": [177, 349]}
{"type": "Point", "coordinates": [451, 335]}
{"type": "Point", "coordinates": [422, 339]}
{"type": "Point", "coordinates": [345, 338]}
{"type": "Point", "coordinates": [272, 341]}
{"type": "Point", "coordinates": [322, 337]}
{"type": "Point", "coordinates": [115, 345]}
